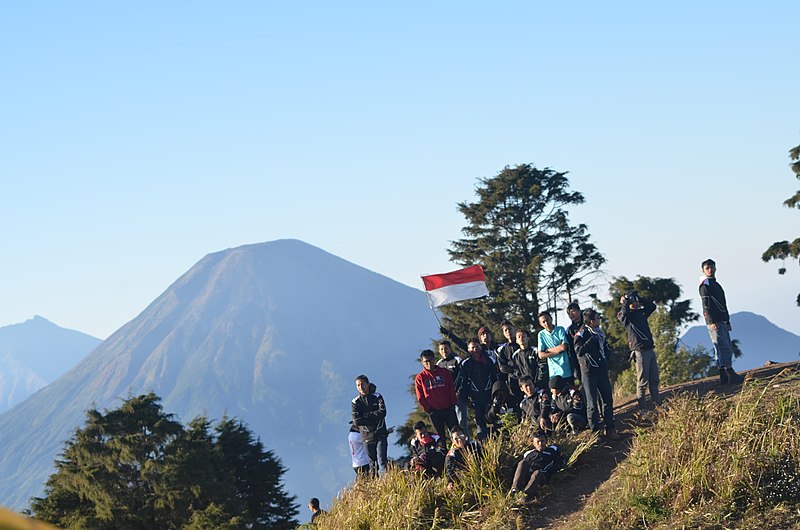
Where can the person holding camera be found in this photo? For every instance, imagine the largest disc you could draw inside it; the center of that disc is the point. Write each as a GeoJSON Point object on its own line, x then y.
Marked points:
{"type": "Point", "coordinates": [633, 316]}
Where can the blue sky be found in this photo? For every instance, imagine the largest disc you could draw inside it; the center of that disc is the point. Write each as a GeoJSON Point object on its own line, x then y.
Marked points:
{"type": "Point", "coordinates": [137, 137]}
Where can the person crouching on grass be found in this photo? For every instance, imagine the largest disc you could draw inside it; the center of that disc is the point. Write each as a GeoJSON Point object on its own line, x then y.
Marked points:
{"type": "Point", "coordinates": [536, 467]}
{"type": "Point", "coordinates": [427, 451]}
{"type": "Point", "coordinates": [456, 459]}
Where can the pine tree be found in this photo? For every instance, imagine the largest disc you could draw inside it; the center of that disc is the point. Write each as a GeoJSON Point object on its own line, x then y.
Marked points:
{"type": "Point", "coordinates": [265, 503]}
{"type": "Point", "coordinates": [136, 467]}
{"type": "Point", "coordinates": [519, 231]}
{"type": "Point", "coordinates": [781, 250]}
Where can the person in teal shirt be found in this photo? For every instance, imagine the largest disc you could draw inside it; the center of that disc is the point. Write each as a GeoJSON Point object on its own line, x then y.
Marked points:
{"type": "Point", "coordinates": [553, 347]}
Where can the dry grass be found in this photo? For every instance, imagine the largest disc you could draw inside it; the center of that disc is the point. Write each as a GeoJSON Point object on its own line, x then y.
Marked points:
{"type": "Point", "coordinates": [710, 463]}
{"type": "Point", "coordinates": [479, 500]}
{"type": "Point", "coordinates": [705, 463]}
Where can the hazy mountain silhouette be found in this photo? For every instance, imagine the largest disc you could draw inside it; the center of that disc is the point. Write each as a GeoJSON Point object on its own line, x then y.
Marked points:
{"type": "Point", "coordinates": [759, 339]}
{"type": "Point", "coordinates": [272, 333]}
{"type": "Point", "coordinates": [33, 354]}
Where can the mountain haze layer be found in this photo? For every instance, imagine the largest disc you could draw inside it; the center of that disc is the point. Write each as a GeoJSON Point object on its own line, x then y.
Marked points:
{"type": "Point", "coordinates": [34, 353]}
{"type": "Point", "coordinates": [272, 333]}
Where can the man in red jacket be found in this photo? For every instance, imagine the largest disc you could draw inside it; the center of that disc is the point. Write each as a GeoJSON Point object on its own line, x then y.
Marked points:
{"type": "Point", "coordinates": [436, 393]}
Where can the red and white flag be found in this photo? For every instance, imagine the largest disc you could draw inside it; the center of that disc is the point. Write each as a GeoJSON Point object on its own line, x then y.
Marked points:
{"type": "Point", "coordinates": [455, 286]}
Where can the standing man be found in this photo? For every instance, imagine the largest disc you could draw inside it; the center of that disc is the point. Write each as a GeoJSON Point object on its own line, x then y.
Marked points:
{"type": "Point", "coordinates": [369, 415]}
{"type": "Point", "coordinates": [591, 347]}
{"type": "Point", "coordinates": [452, 362]}
{"type": "Point", "coordinates": [576, 321]}
{"type": "Point", "coordinates": [475, 380]}
{"type": "Point", "coordinates": [505, 367]}
{"type": "Point", "coordinates": [527, 363]}
{"type": "Point", "coordinates": [633, 317]}
{"type": "Point", "coordinates": [553, 347]}
{"type": "Point", "coordinates": [715, 311]}
{"type": "Point", "coordinates": [436, 393]}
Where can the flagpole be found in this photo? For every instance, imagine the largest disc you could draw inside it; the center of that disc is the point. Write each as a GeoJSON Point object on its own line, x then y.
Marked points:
{"type": "Point", "coordinates": [435, 315]}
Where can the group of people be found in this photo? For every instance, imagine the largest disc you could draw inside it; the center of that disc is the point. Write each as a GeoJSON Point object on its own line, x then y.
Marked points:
{"type": "Point", "coordinates": [559, 382]}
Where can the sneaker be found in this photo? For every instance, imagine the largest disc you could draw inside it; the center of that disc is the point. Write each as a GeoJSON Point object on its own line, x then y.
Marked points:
{"type": "Point", "coordinates": [611, 434]}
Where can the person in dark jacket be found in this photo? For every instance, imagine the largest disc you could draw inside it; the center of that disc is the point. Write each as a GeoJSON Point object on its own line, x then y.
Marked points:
{"type": "Point", "coordinates": [427, 451]}
{"type": "Point", "coordinates": [475, 379]}
{"type": "Point", "coordinates": [452, 362]}
{"type": "Point", "coordinates": [456, 459]}
{"type": "Point", "coordinates": [592, 350]}
{"type": "Point", "coordinates": [527, 362]}
{"type": "Point", "coordinates": [567, 406]}
{"type": "Point", "coordinates": [436, 393]}
{"type": "Point", "coordinates": [369, 415]}
{"type": "Point", "coordinates": [505, 367]}
{"type": "Point", "coordinates": [536, 467]}
{"type": "Point", "coordinates": [633, 316]}
{"type": "Point", "coordinates": [576, 321]}
{"type": "Point", "coordinates": [535, 405]}
{"type": "Point", "coordinates": [718, 321]}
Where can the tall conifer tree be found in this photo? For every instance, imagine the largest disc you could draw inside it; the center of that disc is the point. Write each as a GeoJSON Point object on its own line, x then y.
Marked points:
{"type": "Point", "coordinates": [519, 231]}
{"type": "Point", "coordinates": [135, 467]}
{"type": "Point", "coordinates": [782, 250]}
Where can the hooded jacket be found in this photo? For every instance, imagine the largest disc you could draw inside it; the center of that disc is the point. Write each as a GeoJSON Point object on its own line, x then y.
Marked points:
{"type": "Point", "coordinates": [435, 389]}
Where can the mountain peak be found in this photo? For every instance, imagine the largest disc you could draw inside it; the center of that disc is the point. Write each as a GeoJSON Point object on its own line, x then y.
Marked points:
{"type": "Point", "coordinates": [272, 333]}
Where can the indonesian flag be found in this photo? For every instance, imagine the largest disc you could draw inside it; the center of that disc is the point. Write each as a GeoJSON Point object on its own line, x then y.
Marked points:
{"type": "Point", "coordinates": [455, 286]}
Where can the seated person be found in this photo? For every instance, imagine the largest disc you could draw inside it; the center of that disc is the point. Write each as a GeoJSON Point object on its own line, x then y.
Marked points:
{"type": "Point", "coordinates": [456, 458]}
{"type": "Point", "coordinates": [502, 403]}
{"type": "Point", "coordinates": [535, 404]}
{"type": "Point", "coordinates": [427, 451]}
{"type": "Point", "coordinates": [536, 466]}
{"type": "Point", "coordinates": [567, 407]}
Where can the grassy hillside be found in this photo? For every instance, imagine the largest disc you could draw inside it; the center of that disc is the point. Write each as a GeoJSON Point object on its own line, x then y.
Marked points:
{"type": "Point", "coordinates": [717, 457]}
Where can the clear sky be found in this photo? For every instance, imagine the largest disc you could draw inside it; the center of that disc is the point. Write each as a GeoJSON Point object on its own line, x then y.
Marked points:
{"type": "Point", "coordinates": [137, 137]}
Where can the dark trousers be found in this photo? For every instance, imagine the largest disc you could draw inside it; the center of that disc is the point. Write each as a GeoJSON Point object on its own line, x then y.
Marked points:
{"type": "Point", "coordinates": [376, 451]}
{"type": "Point", "coordinates": [480, 407]}
{"type": "Point", "coordinates": [598, 387]}
{"type": "Point", "coordinates": [443, 418]}
{"type": "Point", "coordinates": [527, 479]}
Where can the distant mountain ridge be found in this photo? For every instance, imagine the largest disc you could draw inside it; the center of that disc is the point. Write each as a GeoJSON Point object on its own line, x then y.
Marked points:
{"type": "Point", "coordinates": [272, 333]}
{"type": "Point", "coordinates": [35, 353]}
{"type": "Point", "coordinates": [760, 340]}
